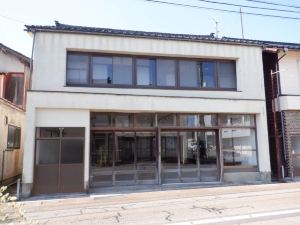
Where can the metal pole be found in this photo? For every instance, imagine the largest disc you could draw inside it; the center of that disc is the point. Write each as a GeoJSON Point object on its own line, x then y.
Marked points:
{"type": "Point", "coordinates": [3, 163]}
{"type": "Point", "coordinates": [242, 25]}
{"type": "Point", "coordinates": [18, 188]}
{"type": "Point", "coordinates": [276, 136]}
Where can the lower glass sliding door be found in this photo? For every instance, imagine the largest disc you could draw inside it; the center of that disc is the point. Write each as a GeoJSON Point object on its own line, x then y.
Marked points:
{"type": "Point", "coordinates": [102, 146]}
{"type": "Point", "coordinates": [208, 156]}
{"type": "Point", "coordinates": [169, 157]}
{"type": "Point", "coordinates": [146, 151]}
{"type": "Point", "coordinates": [125, 169]}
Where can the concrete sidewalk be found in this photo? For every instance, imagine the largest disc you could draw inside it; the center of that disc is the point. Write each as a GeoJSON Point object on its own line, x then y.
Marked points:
{"type": "Point", "coordinates": [183, 205]}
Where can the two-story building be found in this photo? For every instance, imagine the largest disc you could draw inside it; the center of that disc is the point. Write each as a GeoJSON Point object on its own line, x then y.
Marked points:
{"type": "Point", "coordinates": [284, 78]}
{"type": "Point", "coordinates": [116, 107]}
{"type": "Point", "coordinates": [14, 71]}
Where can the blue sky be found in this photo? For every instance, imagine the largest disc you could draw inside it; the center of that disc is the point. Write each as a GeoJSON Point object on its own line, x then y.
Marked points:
{"type": "Point", "coordinates": [141, 15]}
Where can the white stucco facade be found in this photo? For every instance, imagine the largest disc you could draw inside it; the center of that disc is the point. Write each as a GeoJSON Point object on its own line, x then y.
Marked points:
{"type": "Point", "coordinates": [289, 67]}
{"type": "Point", "coordinates": [52, 104]}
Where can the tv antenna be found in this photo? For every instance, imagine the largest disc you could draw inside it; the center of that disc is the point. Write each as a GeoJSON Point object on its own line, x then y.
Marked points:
{"type": "Point", "coordinates": [216, 27]}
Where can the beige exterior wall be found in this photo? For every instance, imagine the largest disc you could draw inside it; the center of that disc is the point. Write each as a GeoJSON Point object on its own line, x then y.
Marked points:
{"type": "Point", "coordinates": [13, 158]}
{"type": "Point", "coordinates": [50, 62]}
{"type": "Point", "coordinates": [73, 110]}
{"type": "Point", "coordinates": [289, 67]}
{"type": "Point", "coordinates": [51, 103]}
{"type": "Point", "coordinates": [9, 63]}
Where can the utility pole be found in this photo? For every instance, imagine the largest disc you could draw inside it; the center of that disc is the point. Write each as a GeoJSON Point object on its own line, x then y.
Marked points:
{"type": "Point", "coordinates": [242, 25]}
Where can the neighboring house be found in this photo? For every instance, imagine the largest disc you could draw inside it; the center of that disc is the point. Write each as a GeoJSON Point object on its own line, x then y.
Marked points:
{"type": "Point", "coordinates": [116, 107]}
{"type": "Point", "coordinates": [283, 62]}
{"type": "Point", "coordinates": [14, 71]}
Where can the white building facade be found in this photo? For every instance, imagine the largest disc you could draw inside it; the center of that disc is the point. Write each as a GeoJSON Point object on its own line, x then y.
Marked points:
{"type": "Point", "coordinates": [109, 107]}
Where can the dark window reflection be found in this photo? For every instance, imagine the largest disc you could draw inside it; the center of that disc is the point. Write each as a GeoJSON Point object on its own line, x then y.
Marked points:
{"type": "Point", "coordinates": [188, 149]}
{"type": "Point", "coordinates": [102, 150]}
{"type": "Point", "coordinates": [169, 142]}
{"type": "Point", "coordinates": [207, 143]}
{"type": "Point", "coordinates": [72, 151]}
{"type": "Point", "coordinates": [125, 149]}
{"type": "Point", "coordinates": [47, 152]}
{"type": "Point", "coordinates": [208, 74]}
{"type": "Point", "coordinates": [146, 146]}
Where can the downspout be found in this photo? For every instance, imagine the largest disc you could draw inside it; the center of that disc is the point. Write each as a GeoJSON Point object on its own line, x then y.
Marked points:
{"type": "Point", "coordinates": [280, 111]}
{"type": "Point", "coordinates": [31, 62]}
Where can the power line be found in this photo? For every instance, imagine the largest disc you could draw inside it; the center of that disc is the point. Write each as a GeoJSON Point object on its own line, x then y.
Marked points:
{"type": "Point", "coordinates": [274, 3]}
{"type": "Point", "coordinates": [248, 6]}
{"type": "Point", "coordinates": [222, 10]}
{"type": "Point", "coordinates": [12, 19]}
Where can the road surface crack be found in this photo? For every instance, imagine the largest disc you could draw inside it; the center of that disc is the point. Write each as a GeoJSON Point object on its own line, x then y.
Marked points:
{"type": "Point", "coordinates": [168, 217]}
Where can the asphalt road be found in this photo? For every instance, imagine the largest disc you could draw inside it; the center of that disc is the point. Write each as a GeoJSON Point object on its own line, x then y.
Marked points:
{"type": "Point", "coordinates": [277, 203]}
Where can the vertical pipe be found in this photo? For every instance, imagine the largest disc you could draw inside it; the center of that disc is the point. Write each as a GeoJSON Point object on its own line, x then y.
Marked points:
{"type": "Point", "coordinates": [159, 155]}
{"type": "Point", "coordinates": [242, 24]}
{"type": "Point", "coordinates": [3, 164]}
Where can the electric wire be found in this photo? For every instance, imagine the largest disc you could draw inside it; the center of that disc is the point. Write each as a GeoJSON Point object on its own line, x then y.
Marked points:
{"type": "Point", "coordinates": [248, 6]}
{"type": "Point", "coordinates": [221, 10]}
{"type": "Point", "coordinates": [274, 3]}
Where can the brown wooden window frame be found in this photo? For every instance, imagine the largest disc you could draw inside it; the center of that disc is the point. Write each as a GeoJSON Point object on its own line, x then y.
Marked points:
{"type": "Point", "coordinates": [154, 85]}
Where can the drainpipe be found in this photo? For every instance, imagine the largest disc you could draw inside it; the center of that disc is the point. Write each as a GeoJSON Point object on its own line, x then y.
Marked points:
{"type": "Point", "coordinates": [278, 94]}
{"type": "Point", "coordinates": [31, 62]}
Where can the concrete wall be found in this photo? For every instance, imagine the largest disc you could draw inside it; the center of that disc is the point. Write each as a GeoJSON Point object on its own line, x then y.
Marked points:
{"type": "Point", "coordinates": [13, 158]}
{"type": "Point", "coordinates": [51, 103]}
{"type": "Point", "coordinates": [289, 67]}
{"type": "Point", "coordinates": [69, 109]}
{"type": "Point", "coordinates": [9, 63]}
{"type": "Point", "coordinates": [16, 116]}
{"type": "Point", "coordinates": [50, 62]}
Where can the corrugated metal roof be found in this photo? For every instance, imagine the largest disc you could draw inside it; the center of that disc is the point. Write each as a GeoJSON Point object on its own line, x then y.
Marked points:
{"type": "Point", "coordinates": [65, 28]}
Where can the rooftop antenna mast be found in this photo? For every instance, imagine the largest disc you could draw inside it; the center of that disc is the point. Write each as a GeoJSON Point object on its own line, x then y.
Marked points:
{"type": "Point", "coordinates": [216, 27]}
{"type": "Point", "coordinates": [242, 24]}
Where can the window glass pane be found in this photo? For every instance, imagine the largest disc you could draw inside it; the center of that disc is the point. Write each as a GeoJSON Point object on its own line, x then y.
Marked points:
{"type": "Point", "coordinates": [73, 132]}
{"type": "Point", "coordinates": [166, 72]}
{"type": "Point", "coordinates": [101, 120]}
{"type": "Point", "coordinates": [188, 149]}
{"type": "Point", "coordinates": [169, 156]}
{"type": "Point", "coordinates": [77, 71]}
{"type": "Point", "coordinates": [13, 137]}
{"type": "Point", "coordinates": [239, 147]}
{"type": "Point", "coordinates": [145, 71]}
{"type": "Point", "coordinates": [227, 75]}
{"type": "Point", "coordinates": [72, 151]}
{"type": "Point", "coordinates": [207, 141]}
{"type": "Point", "coordinates": [122, 70]}
{"type": "Point", "coordinates": [237, 120]}
{"type": "Point", "coordinates": [102, 70]}
{"type": "Point", "coordinates": [123, 120]}
{"type": "Point", "coordinates": [48, 132]}
{"type": "Point", "coordinates": [102, 150]}
{"type": "Point", "coordinates": [166, 119]}
{"type": "Point", "coordinates": [145, 120]}
{"type": "Point", "coordinates": [189, 120]}
{"type": "Point", "coordinates": [14, 90]}
{"type": "Point", "coordinates": [208, 72]}
{"type": "Point", "coordinates": [208, 120]}
{"type": "Point", "coordinates": [47, 152]}
{"type": "Point", "coordinates": [295, 143]}
{"type": "Point", "coordinates": [146, 147]}
{"type": "Point", "coordinates": [188, 74]}
{"type": "Point", "coordinates": [124, 158]}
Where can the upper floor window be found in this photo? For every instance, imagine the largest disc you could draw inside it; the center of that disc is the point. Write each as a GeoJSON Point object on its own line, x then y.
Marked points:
{"type": "Point", "coordinates": [160, 72]}
{"type": "Point", "coordinates": [14, 88]}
